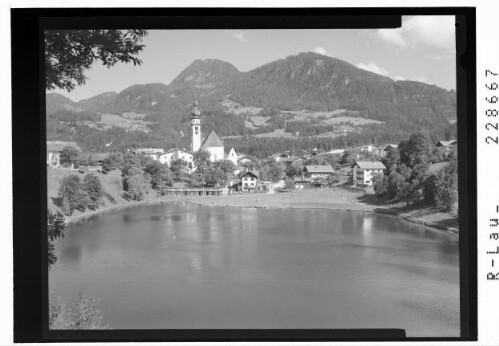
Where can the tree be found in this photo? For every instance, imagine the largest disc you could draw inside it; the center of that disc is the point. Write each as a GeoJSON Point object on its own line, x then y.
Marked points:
{"type": "Point", "coordinates": [179, 168]}
{"type": "Point", "coordinates": [93, 187]}
{"type": "Point", "coordinates": [380, 184]}
{"type": "Point", "coordinates": [201, 159]}
{"type": "Point", "coordinates": [160, 174]}
{"type": "Point", "coordinates": [112, 162]}
{"type": "Point", "coordinates": [416, 150]}
{"type": "Point", "coordinates": [197, 180]}
{"type": "Point", "coordinates": [289, 184]}
{"type": "Point", "coordinates": [136, 185]}
{"type": "Point", "coordinates": [275, 171]}
{"type": "Point", "coordinates": [396, 186]}
{"type": "Point", "coordinates": [71, 188]}
{"type": "Point", "coordinates": [56, 222]}
{"type": "Point", "coordinates": [226, 166]}
{"type": "Point", "coordinates": [348, 157]}
{"type": "Point", "coordinates": [446, 188]}
{"type": "Point", "coordinates": [129, 161]}
{"type": "Point", "coordinates": [68, 53]}
{"type": "Point", "coordinates": [215, 177]}
{"type": "Point", "coordinates": [69, 156]}
{"type": "Point", "coordinates": [392, 158]}
{"type": "Point", "coordinates": [293, 171]}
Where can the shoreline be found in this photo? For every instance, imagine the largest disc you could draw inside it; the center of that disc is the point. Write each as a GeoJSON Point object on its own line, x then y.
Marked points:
{"type": "Point", "coordinates": [327, 199]}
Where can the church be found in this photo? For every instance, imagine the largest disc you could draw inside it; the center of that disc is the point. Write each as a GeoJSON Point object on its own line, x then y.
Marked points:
{"type": "Point", "coordinates": [211, 143]}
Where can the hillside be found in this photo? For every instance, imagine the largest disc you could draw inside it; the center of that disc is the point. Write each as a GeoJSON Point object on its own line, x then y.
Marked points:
{"type": "Point", "coordinates": [300, 96]}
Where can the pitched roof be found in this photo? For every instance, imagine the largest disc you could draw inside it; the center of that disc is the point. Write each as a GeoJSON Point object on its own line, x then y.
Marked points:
{"type": "Point", "coordinates": [254, 172]}
{"type": "Point", "coordinates": [212, 141]}
{"type": "Point", "coordinates": [446, 143]}
{"type": "Point", "coordinates": [319, 169]}
{"type": "Point", "coordinates": [370, 164]}
{"type": "Point", "coordinates": [149, 151]}
{"type": "Point", "coordinates": [394, 146]}
{"type": "Point", "coordinates": [60, 145]}
{"type": "Point", "coordinates": [336, 151]}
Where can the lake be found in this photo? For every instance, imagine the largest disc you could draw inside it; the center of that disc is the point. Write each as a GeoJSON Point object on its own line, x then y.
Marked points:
{"type": "Point", "coordinates": [179, 265]}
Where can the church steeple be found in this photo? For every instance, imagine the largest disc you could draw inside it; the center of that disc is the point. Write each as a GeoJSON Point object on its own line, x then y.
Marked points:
{"type": "Point", "coordinates": [196, 128]}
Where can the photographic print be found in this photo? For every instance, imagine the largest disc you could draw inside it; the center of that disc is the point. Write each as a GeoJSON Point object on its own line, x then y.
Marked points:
{"type": "Point", "coordinates": [254, 179]}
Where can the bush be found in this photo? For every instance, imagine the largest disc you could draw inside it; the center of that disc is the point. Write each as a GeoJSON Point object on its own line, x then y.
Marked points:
{"type": "Point", "coordinates": [87, 315]}
{"type": "Point", "coordinates": [380, 185]}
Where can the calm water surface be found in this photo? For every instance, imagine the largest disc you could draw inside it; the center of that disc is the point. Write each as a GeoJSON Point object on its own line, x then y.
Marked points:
{"type": "Point", "coordinates": [180, 265]}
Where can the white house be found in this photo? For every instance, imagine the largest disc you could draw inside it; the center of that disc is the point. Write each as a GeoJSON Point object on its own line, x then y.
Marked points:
{"type": "Point", "coordinates": [364, 171]}
{"type": "Point", "coordinates": [319, 171]}
{"type": "Point", "coordinates": [54, 149]}
{"type": "Point", "coordinates": [232, 156]}
{"type": "Point", "coordinates": [249, 180]}
{"type": "Point", "coordinates": [175, 154]}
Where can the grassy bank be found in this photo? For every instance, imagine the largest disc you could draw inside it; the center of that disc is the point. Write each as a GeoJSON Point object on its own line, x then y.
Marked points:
{"type": "Point", "coordinates": [335, 199]}
{"type": "Point", "coordinates": [111, 185]}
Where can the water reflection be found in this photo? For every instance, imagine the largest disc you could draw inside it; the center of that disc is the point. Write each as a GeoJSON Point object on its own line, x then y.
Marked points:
{"type": "Point", "coordinates": [184, 266]}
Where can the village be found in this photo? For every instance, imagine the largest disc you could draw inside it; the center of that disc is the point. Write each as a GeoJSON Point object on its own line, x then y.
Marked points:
{"type": "Point", "coordinates": [338, 178]}
{"type": "Point", "coordinates": [355, 167]}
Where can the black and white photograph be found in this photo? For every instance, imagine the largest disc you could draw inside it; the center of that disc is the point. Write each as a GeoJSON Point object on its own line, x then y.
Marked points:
{"type": "Point", "coordinates": [254, 179]}
{"type": "Point", "coordinates": [247, 174]}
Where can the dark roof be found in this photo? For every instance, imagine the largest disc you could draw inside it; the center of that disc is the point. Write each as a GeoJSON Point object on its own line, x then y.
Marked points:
{"type": "Point", "coordinates": [394, 146]}
{"type": "Point", "coordinates": [370, 165]}
{"type": "Point", "coordinates": [60, 145]}
{"type": "Point", "coordinates": [319, 169]}
{"type": "Point", "coordinates": [212, 141]}
{"type": "Point", "coordinates": [254, 173]}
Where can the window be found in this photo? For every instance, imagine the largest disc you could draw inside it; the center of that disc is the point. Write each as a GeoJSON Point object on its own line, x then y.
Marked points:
{"type": "Point", "coordinates": [196, 128]}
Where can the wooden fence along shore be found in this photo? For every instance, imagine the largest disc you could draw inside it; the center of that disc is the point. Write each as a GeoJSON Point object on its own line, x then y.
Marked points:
{"type": "Point", "coordinates": [177, 192]}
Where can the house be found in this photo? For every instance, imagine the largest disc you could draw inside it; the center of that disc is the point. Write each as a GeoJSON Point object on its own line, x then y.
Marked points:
{"type": "Point", "coordinates": [232, 156]}
{"type": "Point", "coordinates": [364, 171]}
{"type": "Point", "coordinates": [242, 159]}
{"type": "Point", "coordinates": [249, 180]}
{"type": "Point", "coordinates": [318, 171]}
{"type": "Point", "coordinates": [448, 147]}
{"type": "Point", "coordinates": [153, 153]}
{"type": "Point", "coordinates": [214, 146]}
{"type": "Point", "coordinates": [301, 182]}
{"type": "Point", "coordinates": [278, 157]}
{"type": "Point", "coordinates": [175, 154]}
{"type": "Point", "coordinates": [54, 149]}
{"type": "Point", "coordinates": [388, 147]}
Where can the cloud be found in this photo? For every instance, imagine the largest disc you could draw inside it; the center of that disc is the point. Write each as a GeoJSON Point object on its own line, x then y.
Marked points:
{"type": "Point", "coordinates": [372, 67]}
{"type": "Point", "coordinates": [394, 36]}
{"type": "Point", "coordinates": [237, 34]}
{"type": "Point", "coordinates": [399, 78]}
{"type": "Point", "coordinates": [320, 50]}
{"type": "Point", "coordinates": [436, 32]}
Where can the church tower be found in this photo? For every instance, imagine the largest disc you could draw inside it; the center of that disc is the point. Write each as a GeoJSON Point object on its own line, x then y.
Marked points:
{"type": "Point", "coordinates": [196, 128]}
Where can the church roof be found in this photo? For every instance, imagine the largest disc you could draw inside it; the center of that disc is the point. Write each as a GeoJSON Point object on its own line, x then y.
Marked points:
{"type": "Point", "coordinates": [212, 141]}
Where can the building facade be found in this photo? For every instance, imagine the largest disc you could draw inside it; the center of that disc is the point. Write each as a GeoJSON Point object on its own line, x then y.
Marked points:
{"type": "Point", "coordinates": [364, 171]}
{"type": "Point", "coordinates": [54, 149]}
{"type": "Point", "coordinates": [249, 180]}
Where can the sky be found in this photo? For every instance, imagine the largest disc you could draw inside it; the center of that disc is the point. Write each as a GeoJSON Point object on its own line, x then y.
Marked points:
{"type": "Point", "coordinates": [423, 49]}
